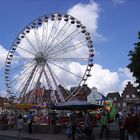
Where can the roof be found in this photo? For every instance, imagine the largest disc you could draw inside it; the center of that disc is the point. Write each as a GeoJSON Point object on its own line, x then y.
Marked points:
{"type": "Point", "coordinates": [95, 89]}
{"type": "Point", "coordinates": [113, 94]}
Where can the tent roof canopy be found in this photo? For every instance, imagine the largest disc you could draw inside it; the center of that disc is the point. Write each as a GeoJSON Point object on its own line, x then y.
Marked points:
{"type": "Point", "coordinates": [75, 105]}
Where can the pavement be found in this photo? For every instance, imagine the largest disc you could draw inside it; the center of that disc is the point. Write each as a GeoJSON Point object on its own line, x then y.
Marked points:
{"type": "Point", "coordinates": [114, 134]}
{"type": "Point", "coordinates": [33, 136]}
{"type": "Point", "coordinates": [39, 136]}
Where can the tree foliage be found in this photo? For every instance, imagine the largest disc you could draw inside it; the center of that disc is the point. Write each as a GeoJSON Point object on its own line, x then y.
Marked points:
{"type": "Point", "coordinates": [134, 57]}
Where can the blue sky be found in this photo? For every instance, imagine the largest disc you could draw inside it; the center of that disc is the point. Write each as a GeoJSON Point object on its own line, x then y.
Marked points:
{"type": "Point", "coordinates": [117, 24]}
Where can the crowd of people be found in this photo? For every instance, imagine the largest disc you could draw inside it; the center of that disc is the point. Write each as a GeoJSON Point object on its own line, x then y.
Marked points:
{"type": "Point", "coordinates": [79, 125]}
{"type": "Point", "coordinates": [39, 117]}
{"type": "Point", "coordinates": [128, 124]}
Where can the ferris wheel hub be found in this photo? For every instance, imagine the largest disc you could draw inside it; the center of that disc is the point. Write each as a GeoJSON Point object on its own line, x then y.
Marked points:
{"type": "Point", "coordinates": [40, 59]}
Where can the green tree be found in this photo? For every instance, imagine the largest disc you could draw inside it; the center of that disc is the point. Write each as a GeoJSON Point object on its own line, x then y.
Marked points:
{"type": "Point", "coordinates": [134, 57]}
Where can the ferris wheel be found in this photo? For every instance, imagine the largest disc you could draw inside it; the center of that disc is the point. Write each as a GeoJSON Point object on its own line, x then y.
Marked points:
{"type": "Point", "coordinates": [53, 51]}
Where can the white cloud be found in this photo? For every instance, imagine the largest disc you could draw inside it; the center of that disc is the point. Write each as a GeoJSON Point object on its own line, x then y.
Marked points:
{"type": "Point", "coordinates": [4, 94]}
{"type": "Point", "coordinates": [124, 83]}
{"type": "Point", "coordinates": [106, 81]}
{"type": "Point", "coordinates": [3, 54]}
{"type": "Point", "coordinates": [88, 14]}
{"type": "Point", "coordinates": [126, 76]}
{"type": "Point", "coordinates": [125, 72]}
{"type": "Point", "coordinates": [118, 1]}
{"type": "Point", "coordinates": [103, 79]}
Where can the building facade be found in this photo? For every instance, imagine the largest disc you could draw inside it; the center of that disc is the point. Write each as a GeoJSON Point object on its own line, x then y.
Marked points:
{"type": "Point", "coordinates": [94, 96]}
{"type": "Point", "coordinates": [127, 100]}
{"type": "Point", "coordinates": [130, 97]}
{"type": "Point", "coordinates": [117, 100]}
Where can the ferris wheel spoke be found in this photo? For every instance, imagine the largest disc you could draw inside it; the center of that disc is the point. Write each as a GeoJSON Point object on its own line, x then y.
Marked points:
{"type": "Point", "coordinates": [33, 84]}
{"type": "Point", "coordinates": [65, 69]}
{"type": "Point", "coordinates": [43, 80]}
{"type": "Point", "coordinates": [50, 35]}
{"type": "Point", "coordinates": [20, 66]}
{"type": "Point", "coordinates": [43, 36]}
{"type": "Point", "coordinates": [27, 69]}
{"type": "Point", "coordinates": [47, 78]}
{"type": "Point", "coordinates": [60, 34]}
{"type": "Point", "coordinates": [66, 52]}
{"type": "Point", "coordinates": [60, 81]}
{"type": "Point", "coordinates": [21, 84]}
{"type": "Point", "coordinates": [73, 94]}
{"type": "Point", "coordinates": [31, 44]}
{"type": "Point", "coordinates": [37, 39]}
{"type": "Point", "coordinates": [63, 33]}
{"type": "Point", "coordinates": [49, 82]}
{"type": "Point", "coordinates": [46, 38]}
{"type": "Point", "coordinates": [55, 83]}
{"type": "Point", "coordinates": [62, 43]}
{"type": "Point", "coordinates": [28, 82]}
{"type": "Point", "coordinates": [68, 59]}
{"type": "Point", "coordinates": [70, 94]}
{"type": "Point", "coordinates": [26, 50]}
{"type": "Point", "coordinates": [39, 75]}
{"type": "Point", "coordinates": [53, 32]}
{"type": "Point", "coordinates": [54, 35]}
{"type": "Point", "coordinates": [66, 49]}
{"type": "Point", "coordinates": [25, 58]}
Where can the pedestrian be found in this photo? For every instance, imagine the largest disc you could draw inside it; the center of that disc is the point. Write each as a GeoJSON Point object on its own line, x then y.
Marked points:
{"type": "Point", "coordinates": [69, 131]}
{"type": "Point", "coordinates": [138, 128]}
{"type": "Point", "coordinates": [122, 130]}
{"type": "Point", "coordinates": [104, 125]}
{"type": "Point", "coordinates": [80, 132]}
{"type": "Point", "coordinates": [130, 125]}
{"type": "Point", "coordinates": [20, 126]}
{"type": "Point", "coordinates": [53, 118]}
{"type": "Point", "coordinates": [88, 126]}
{"type": "Point", "coordinates": [30, 122]}
{"type": "Point", "coordinates": [11, 120]}
{"type": "Point", "coordinates": [73, 122]}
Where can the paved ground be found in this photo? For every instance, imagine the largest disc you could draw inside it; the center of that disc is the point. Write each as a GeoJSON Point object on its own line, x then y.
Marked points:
{"type": "Point", "coordinates": [12, 134]}
{"type": "Point", "coordinates": [26, 136]}
{"type": "Point", "coordinates": [33, 136]}
{"type": "Point", "coordinates": [6, 138]}
{"type": "Point", "coordinates": [47, 137]}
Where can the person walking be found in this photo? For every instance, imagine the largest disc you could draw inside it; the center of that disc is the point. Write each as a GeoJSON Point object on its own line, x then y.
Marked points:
{"type": "Point", "coordinates": [73, 123]}
{"type": "Point", "coordinates": [104, 125]}
{"type": "Point", "coordinates": [130, 125]}
{"type": "Point", "coordinates": [20, 126]}
{"type": "Point", "coordinates": [30, 122]}
{"type": "Point", "coordinates": [69, 131]}
{"type": "Point", "coordinates": [138, 128]}
{"type": "Point", "coordinates": [88, 126]}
